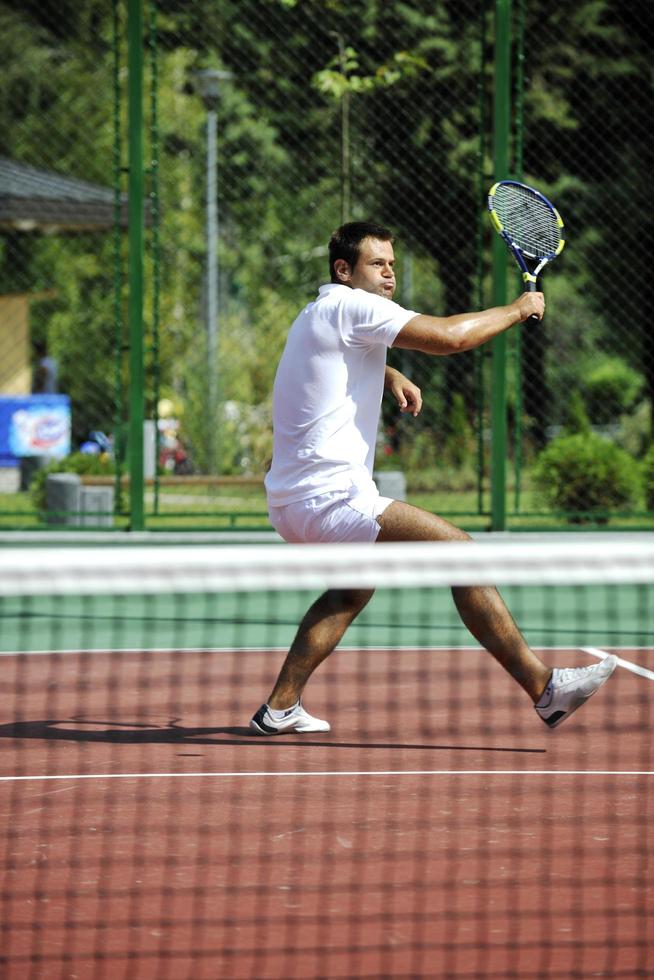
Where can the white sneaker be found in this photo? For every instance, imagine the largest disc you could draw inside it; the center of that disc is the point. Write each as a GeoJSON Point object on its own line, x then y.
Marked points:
{"type": "Point", "coordinates": [294, 719]}
{"type": "Point", "coordinates": [570, 687]}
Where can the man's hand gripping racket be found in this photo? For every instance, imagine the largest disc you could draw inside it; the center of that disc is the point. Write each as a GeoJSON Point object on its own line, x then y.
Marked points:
{"type": "Point", "coordinates": [531, 227]}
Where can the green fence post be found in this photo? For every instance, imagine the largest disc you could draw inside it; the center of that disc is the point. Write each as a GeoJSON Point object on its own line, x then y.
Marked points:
{"type": "Point", "coordinates": [155, 250]}
{"type": "Point", "coordinates": [480, 353]}
{"type": "Point", "coordinates": [501, 140]}
{"type": "Point", "coordinates": [135, 265]}
{"type": "Point", "coordinates": [119, 325]}
{"type": "Point", "coordinates": [518, 172]}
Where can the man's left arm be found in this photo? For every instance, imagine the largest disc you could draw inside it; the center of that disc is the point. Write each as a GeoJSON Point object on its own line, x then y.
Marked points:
{"type": "Point", "coordinates": [406, 394]}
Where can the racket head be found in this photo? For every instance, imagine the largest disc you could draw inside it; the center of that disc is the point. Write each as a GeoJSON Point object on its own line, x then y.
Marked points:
{"type": "Point", "coordinates": [526, 220]}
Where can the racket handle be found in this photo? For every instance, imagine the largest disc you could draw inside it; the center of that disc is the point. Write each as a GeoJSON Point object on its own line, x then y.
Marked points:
{"type": "Point", "coordinates": [531, 286]}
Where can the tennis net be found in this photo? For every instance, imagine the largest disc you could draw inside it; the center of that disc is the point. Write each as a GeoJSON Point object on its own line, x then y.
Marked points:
{"type": "Point", "coordinates": [439, 829]}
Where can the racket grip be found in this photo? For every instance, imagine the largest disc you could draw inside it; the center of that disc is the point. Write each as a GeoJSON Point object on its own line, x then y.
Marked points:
{"type": "Point", "coordinates": [531, 287]}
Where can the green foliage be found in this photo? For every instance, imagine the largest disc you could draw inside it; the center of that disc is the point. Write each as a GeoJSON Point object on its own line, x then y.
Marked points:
{"type": "Point", "coordinates": [341, 75]}
{"type": "Point", "coordinates": [83, 464]}
{"type": "Point", "coordinates": [635, 431]}
{"type": "Point", "coordinates": [245, 438]}
{"type": "Point", "coordinates": [568, 338]}
{"type": "Point", "coordinates": [80, 330]}
{"type": "Point", "coordinates": [417, 451]}
{"type": "Point", "coordinates": [575, 418]}
{"type": "Point", "coordinates": [648, 478]}
{"type": "Point", "coordinates": [586, 476]}
{"type": "Point", "coordinates": [460, 440]}
{"type": "Point", "coordinates": [412, 76]}
{"type": "Point", "coordinates": [611, 387]}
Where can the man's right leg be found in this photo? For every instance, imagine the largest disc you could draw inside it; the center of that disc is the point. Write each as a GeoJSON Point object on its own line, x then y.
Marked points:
{"type": "Point", "coordinates": [319, 633]}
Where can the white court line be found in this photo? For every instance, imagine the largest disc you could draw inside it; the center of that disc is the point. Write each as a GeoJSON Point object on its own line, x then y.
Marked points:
{"type": "Point", "coordinates": [627, 664]}
{"type": "Point", "coordinates": [322, 775]}
{"type": "Point", "coordinates": [591, 651]}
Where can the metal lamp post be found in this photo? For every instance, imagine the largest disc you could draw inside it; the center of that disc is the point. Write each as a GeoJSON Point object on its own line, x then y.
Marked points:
{"type": "Point", "coordinates": [208, 84]}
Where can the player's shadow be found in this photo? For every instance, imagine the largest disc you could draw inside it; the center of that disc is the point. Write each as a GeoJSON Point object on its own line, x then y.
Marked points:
{"type": "Point", "coordinates": [172, 733]}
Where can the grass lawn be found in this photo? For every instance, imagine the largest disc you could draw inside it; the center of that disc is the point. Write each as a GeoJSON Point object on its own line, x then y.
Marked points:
{"type": "Point", "coordinates": [241, 505]}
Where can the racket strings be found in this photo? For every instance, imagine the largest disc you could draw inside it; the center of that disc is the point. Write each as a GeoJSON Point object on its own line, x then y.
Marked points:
{"type": "Point", "coordinates": [528, 221]}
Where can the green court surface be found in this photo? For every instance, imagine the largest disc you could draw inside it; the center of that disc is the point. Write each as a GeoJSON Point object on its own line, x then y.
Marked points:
{"type": "Point", "coordinates": [616, 616]}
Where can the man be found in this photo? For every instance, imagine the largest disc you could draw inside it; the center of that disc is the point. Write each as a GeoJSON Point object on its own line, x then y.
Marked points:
{"type": "Point", "coordinates": [326, 407]}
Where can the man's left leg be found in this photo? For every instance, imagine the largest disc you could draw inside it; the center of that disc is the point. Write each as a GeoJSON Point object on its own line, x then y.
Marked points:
{"type": "Point", "coordinates": [481, 608]}
{"type": "Point", "coordinates": [556, 693]}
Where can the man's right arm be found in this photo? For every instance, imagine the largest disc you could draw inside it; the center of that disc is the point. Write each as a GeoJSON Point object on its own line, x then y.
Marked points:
{"type": "Point", "coordinates": [465, 331]}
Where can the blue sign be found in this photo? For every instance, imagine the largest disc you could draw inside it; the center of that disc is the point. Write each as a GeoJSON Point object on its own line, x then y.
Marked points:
{"type": "Point", "coordinates": [34, 425]}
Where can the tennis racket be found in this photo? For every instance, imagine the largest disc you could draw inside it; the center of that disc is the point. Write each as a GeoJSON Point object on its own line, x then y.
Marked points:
{"type": "Point", "coordinates": [531, 227]}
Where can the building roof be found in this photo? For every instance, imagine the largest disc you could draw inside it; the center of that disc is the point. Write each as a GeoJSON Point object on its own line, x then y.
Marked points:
{"type": "Point", "coordinates": [34, 200]}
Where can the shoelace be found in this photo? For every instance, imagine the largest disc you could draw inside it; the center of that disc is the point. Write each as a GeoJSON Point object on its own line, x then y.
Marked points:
{"type": "Point", "coordinates": [566, 674]}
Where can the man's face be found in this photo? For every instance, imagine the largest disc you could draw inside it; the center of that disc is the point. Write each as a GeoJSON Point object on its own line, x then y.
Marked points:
{"type": "Point", "coordinates": [374, 270]}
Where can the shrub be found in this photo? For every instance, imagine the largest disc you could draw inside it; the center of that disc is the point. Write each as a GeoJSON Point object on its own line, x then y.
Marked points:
{"type": "Point", "coordinates": [634, 433]}
{"type": "Point", "coordinates": [612, 387]}
{"type": "Point", "coordinates": [81, 463]}
{"type": "Point", "coordinates": [586, 476]}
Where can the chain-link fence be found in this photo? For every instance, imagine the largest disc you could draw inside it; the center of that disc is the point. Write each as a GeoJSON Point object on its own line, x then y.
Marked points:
{"type": "Point", "coordinates": [323, 114]}
{"type": "Point", "coordinates": [61, 226]}
{"type": "Point", "coordinates": [587, 375]}
{"type": "Point", "coordinates": [267, 123]}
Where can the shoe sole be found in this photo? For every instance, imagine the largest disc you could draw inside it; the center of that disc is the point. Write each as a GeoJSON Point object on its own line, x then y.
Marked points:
{"type": "Point", "coordinates": [559, 717]}
{"type": "Point", "coordinates": [295, 730]}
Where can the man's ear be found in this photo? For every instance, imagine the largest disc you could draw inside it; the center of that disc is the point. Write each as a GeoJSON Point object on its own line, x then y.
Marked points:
{"type": "Point", "coordinates": [343, 271]}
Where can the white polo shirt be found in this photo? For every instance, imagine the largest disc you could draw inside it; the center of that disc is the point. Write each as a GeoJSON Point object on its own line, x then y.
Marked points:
{"type": "Point", "coordinates": [328, 391]}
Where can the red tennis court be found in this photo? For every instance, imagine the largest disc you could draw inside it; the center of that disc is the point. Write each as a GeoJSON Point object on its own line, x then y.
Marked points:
{"type": "Point", "coordinates": [439, 830]}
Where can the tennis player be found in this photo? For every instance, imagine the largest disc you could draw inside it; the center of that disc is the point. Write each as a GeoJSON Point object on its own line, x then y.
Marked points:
{"type": "Point", "coordinates": [326, 407]}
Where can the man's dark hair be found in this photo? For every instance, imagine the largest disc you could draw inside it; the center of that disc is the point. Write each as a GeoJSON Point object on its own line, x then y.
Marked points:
{"type": "Point", "coordinates": [346, 241]}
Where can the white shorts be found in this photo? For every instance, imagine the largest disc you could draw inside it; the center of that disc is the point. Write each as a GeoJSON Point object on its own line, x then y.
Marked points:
{"type": "Point", "coordinates": [340, 515]}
